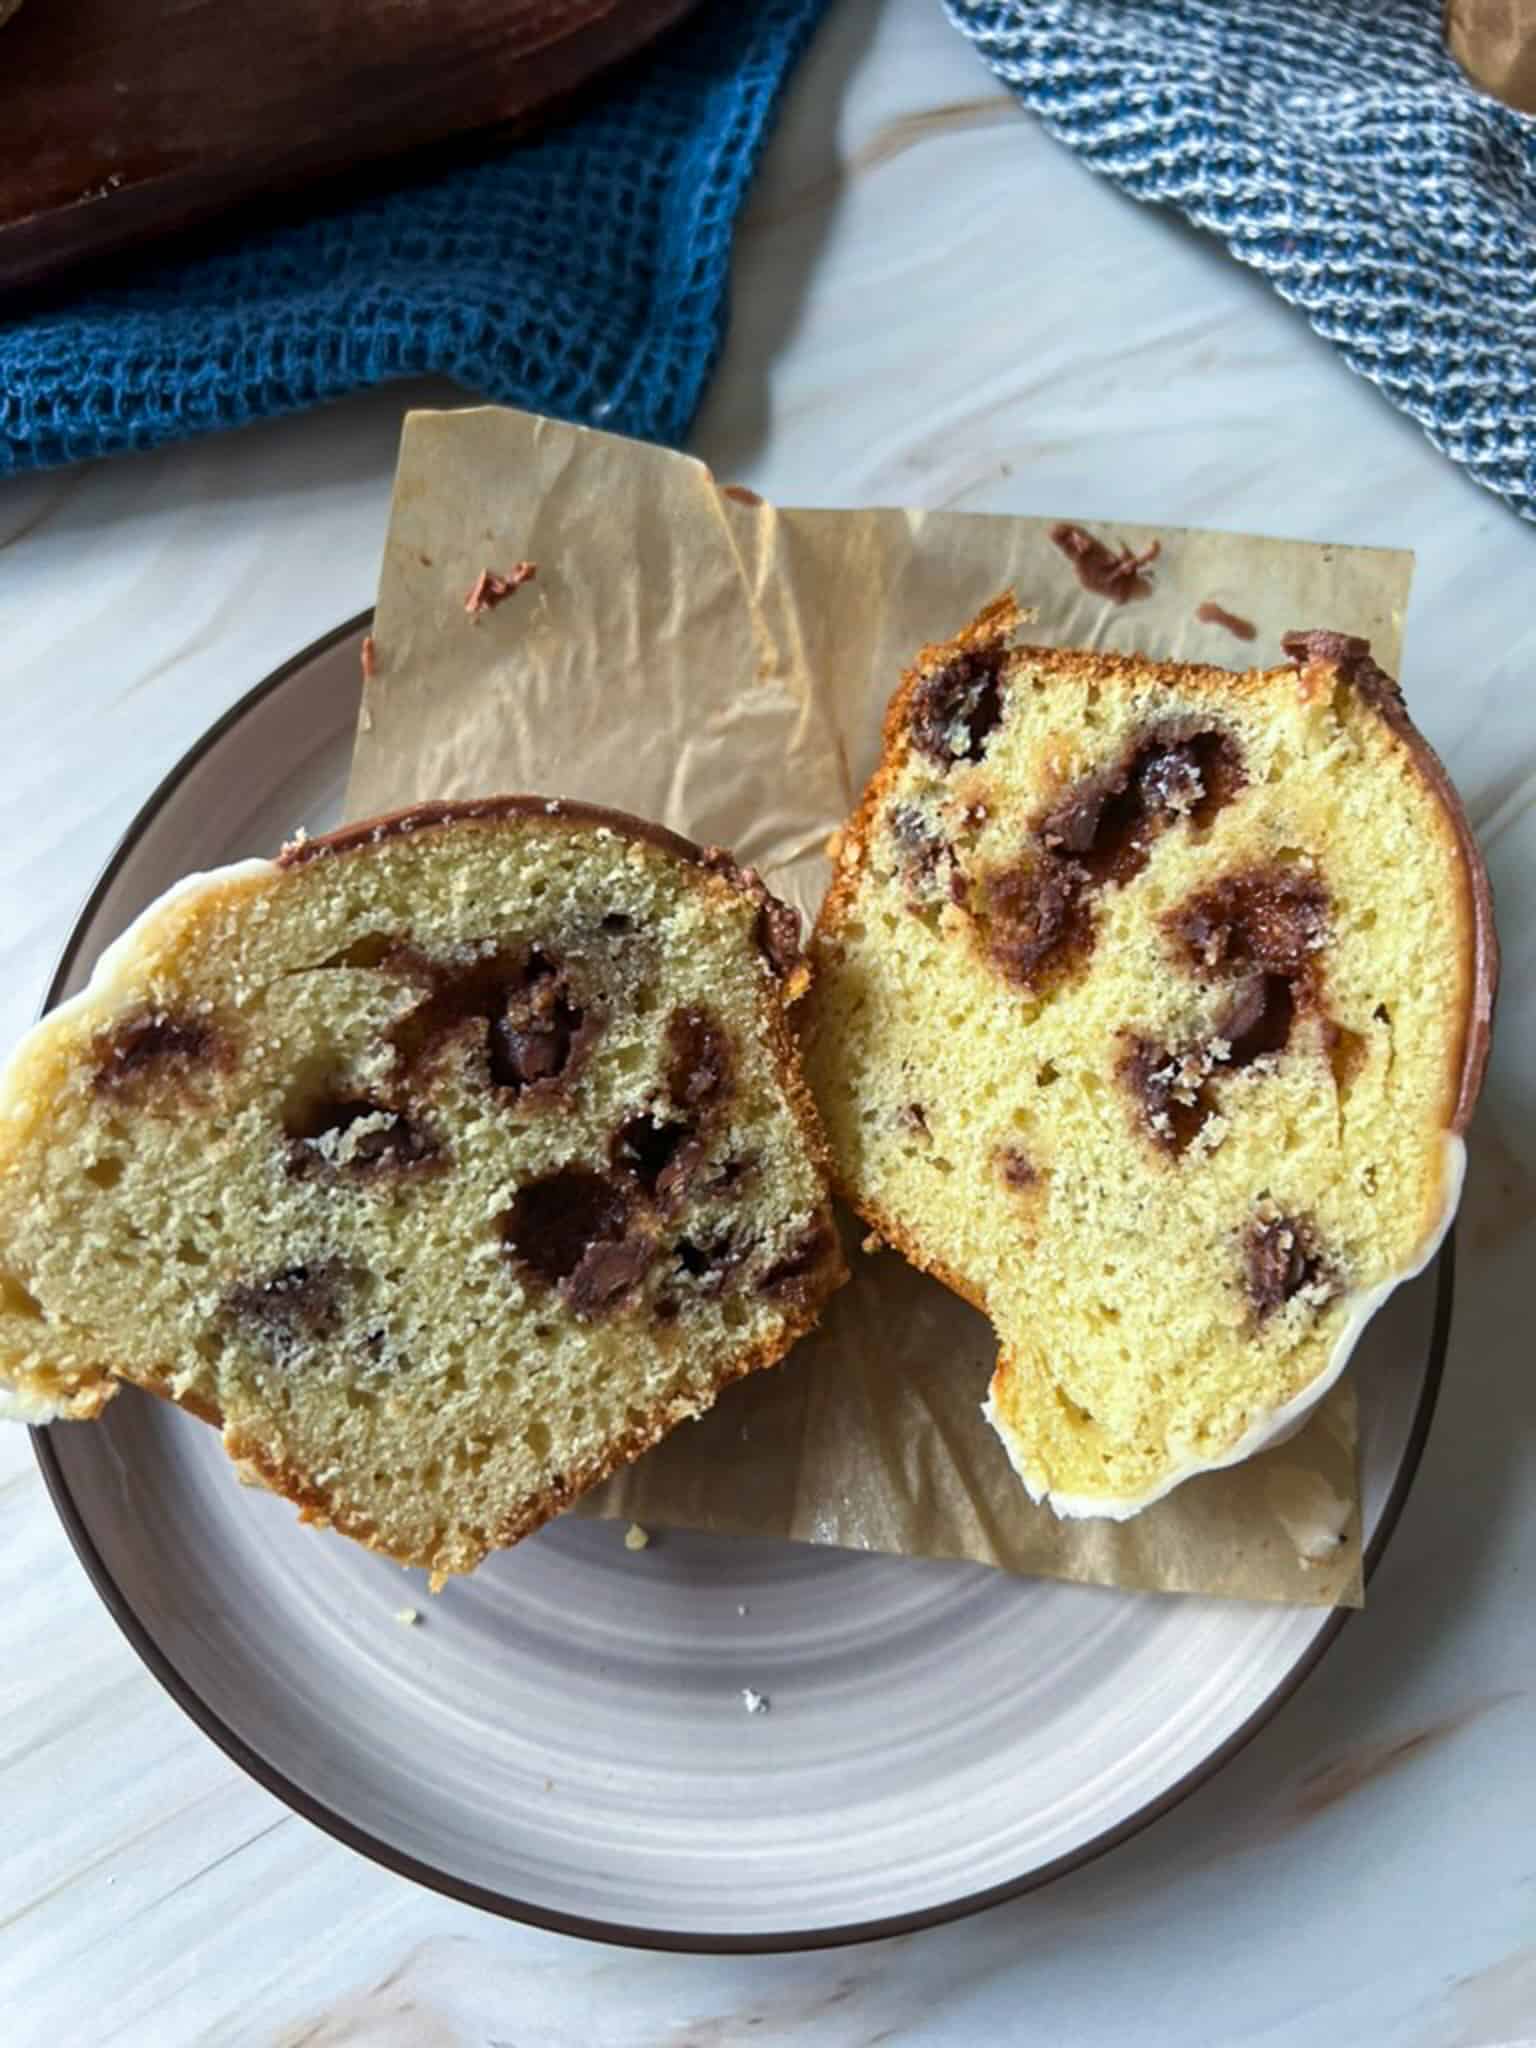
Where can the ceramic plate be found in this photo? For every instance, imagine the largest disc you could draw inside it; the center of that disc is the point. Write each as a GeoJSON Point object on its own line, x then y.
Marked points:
{"type": "Point", "coordinates": [563, 1737]}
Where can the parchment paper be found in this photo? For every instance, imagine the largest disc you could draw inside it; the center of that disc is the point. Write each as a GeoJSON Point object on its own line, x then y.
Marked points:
{"type": "Point", "coordinates": [705, 659]}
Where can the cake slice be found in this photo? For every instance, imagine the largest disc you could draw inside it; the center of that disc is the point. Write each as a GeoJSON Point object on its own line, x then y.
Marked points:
{"type": "Point", "coordinates": [444, 1164]}
{"type": "Point", "coordinates": [1150, 1004]}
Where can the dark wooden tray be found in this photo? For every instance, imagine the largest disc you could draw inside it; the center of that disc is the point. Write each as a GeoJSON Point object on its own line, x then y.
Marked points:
{"type": "Point", "coordinates": [121, 120]}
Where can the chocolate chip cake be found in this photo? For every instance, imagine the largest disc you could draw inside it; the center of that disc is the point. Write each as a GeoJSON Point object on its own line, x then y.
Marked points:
{"type": "Point", "coordinates": [1150, 1003]}
{"type": "Point", "coordinates": [444, 1163]}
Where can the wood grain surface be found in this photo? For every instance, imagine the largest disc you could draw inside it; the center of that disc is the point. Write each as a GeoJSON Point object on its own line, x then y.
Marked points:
{"type": "Point", "coordinates": [120, 123]}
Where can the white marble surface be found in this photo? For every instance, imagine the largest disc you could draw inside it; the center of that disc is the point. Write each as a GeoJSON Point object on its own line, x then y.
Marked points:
{"type": "Point", "coordinates": [936, 305]}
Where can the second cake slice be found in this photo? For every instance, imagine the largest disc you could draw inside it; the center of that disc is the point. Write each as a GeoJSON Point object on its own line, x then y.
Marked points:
{"type": "Point", "coordinates": [445, 1164]}
{"type": "Point", "coordinates": [1150, 1004]}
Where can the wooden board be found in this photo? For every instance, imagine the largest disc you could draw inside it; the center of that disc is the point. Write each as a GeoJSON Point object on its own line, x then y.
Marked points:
{"type": "Point", "coordinates": [121, 120]}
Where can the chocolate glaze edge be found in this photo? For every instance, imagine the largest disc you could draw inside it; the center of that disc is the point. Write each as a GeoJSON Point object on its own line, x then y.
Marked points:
{"type": "Point", "coordinates": [490, 810]}
{"type": "Point", "coordinates": [1350, 658]}
{"type": "Point", "coordinates": [427, 815]}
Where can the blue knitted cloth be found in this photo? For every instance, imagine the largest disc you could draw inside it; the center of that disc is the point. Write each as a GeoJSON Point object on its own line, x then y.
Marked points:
{"type": "Point", "coordinates": [582, 273]}
{"type": "Point", "coordinates": [1335, 146]}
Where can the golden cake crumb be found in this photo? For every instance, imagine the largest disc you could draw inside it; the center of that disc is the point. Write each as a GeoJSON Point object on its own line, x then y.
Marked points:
{"type": "Point", "coordinates": [1144, 1005]}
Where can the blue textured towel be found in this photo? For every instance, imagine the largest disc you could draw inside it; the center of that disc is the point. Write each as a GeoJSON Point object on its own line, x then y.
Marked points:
{"type": "Point", "coordinates": [1337, 147]}
{"type": "Point", "coordinates": [583, 273]}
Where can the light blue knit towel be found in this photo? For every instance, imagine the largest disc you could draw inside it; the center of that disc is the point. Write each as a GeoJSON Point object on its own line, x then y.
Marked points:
{"type": "Point", "coordinates": [1336, 146]}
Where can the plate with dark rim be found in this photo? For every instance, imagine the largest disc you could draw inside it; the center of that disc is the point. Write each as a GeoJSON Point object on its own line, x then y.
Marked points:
{"type": "Point", "coordinates": [563, 1739]}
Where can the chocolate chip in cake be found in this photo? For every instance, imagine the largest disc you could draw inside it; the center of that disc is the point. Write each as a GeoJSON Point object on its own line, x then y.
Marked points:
{"type": "Point", "coordinates": [16, 1299]}
{"type": "Point", "coordinates": [776, 935]}
{"type": "Point", "coordinates": [1264, 930]}
{"type": "Point", "coordinates": [732, 1174]}
{"type": "Point", "coordinates": [331, 1135]}
{"type": "Point", "coordinates": [661, 1156]}
{"type": "Point", "coordinates": [1283, 1259]}
{"type": "Point", "coordinates": [1016, 1167]}
{"type": "Point", "coordinates": [1210, 771]}
{"type": "Point", "coordinates": [920, 844]}
{"type": "Point", "coordinates": [711, 1261]}
{"type": "Point", "coordinates": [531, 1039]}
{"type": "Point", "coordinates": [1170, 1091]}
{"type": "Point", "coordinates": [1033, 916]}
{"type": "Point", "coordinates": [776, 928]}
{"type": "Point", "coordinates": [156, 1043]}
{"type": "Point", "coordinates": [955, 710]}
{"type": "Point", "coordinates": [789, 1272]}
{"type": "Point", "coordinates": [1109, 821]}
{"type": "Point", "coordinates": [298, 1306]}
{"type": "Point", "coordinates": [1258, 1023]}
{"type": "Point", "coordinates": [928, 862]}
{"type": "Point", "coordinates": [1273, 919]}
{"type": "Point", "coordinates": [521, 1007]}
{"type": "Point", "coordinates": [699, 1059]}
{"type": "Point", "coordinates": [607, 1273]}
{"type": "Point", "coordinates": [1169, 782]}
{"type": "Point", "coordinates": [1101, 832]}
{"type": "Point", "coordinates": [556, 1220]}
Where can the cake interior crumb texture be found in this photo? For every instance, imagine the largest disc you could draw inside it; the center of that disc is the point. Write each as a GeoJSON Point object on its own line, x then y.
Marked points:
{"type": "Point", "coordinates": [443, 1173]}
{"type": "Point", "coordinates": [1141, 1016]}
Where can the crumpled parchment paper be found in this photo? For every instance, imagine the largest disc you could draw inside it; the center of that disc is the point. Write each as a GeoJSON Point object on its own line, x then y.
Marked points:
{"type": "Point", "coordinates": [700, 657]}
